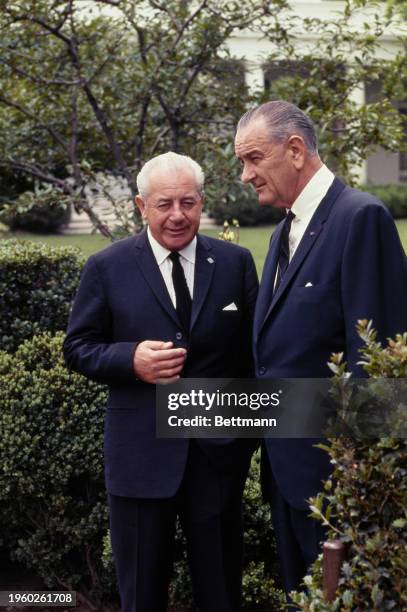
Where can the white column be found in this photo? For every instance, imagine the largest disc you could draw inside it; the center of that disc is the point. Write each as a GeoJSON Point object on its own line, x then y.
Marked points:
{"type": "Point", "coordinates": [358, 96]}
{"type": "Point", "coordinates": [254, 75]}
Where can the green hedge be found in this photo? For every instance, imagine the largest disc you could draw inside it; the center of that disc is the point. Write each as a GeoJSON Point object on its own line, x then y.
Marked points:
{"type": "Point", "coordinates": [37, 285]}
{"type": "Point", "coordinates": [52, 500]}
{"type": "Point", "coordinates": [393, 196]}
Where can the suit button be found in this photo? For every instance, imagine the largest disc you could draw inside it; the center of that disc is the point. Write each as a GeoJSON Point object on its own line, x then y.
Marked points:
{"type": "Point", "coordinates": [262, 370]}
{"type": "Point", "coordinates": [178, 336]}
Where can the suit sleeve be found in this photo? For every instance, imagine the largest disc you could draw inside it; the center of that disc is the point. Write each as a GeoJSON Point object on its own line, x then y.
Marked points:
{"type": "Point", "coordinates": [374, 279]}
{"type": "Point", "coordinates": [88, 347]}
{"type": "Point", "coordinates": [251, 287]}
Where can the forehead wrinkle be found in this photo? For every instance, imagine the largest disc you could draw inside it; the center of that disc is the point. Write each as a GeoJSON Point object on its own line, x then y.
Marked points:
{"type": "Point", "coordinates": [251, 144]}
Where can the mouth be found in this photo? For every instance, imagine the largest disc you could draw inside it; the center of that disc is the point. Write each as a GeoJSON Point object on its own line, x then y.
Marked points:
{"type": "Point", "coordinates": [176, 231]}
{"type": "Point", "coordinates": [259, 187]}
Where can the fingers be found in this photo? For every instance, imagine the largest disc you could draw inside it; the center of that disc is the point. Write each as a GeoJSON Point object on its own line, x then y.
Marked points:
{"type": "Point", "coordinates": [166, 381]}
{"type": "Point", "coordinates": [168, 372]}
{"type": "Point", "coordinates": [156, 360]}
{"type": "Point", "coordinates": [156, 344]}
{"type": "Point", "coordinates": [166, 364]}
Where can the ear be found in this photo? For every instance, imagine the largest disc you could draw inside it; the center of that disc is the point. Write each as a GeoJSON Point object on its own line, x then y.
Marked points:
{"type": "Point", "coordinates": [297, 151]}
{"type": "Point", "coordinates": [141, 205]}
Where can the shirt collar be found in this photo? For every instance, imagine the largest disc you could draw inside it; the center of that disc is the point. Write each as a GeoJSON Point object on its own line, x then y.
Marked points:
{"type": "Point", "coordinates": [161, 253]}
{"type": "Point", "coordinates": [313, 192]}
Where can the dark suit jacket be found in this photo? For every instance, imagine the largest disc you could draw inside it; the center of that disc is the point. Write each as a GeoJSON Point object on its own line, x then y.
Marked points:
{"type": "Point", "coordinates": [122, 300]}
{"type": "Point", "coordinates": [352, 255]}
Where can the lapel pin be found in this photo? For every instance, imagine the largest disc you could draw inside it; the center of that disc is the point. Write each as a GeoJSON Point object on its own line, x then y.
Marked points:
{"type": "Point", "coordinates": [312, 233]}
{"type": "Point", "coordinates": [210, 260]}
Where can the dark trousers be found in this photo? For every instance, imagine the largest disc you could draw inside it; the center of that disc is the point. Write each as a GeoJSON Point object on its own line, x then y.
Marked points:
{"type": "Point", "coordinates": [298, 537]}
{"type": "Point", "coordinates": [209, 504]}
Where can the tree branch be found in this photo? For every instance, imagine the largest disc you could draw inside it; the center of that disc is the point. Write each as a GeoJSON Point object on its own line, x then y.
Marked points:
{"type": "Point", "coordinates": [140, 133]}
{"type": "Point", "coordinates": [36, 79]}
{"type": "Point", "coordinates": [40, 174]}
{"type": "Point", "coordinates": [161, 135]}
{"type": "Point", "coordinates": [72, 147]}
{"type": "Point", "coordinates": [59, 139]}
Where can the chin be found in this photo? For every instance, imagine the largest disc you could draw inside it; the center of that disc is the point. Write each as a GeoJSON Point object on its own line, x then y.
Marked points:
{"type": "Point", "coordinates": [267, 200]}
{"type": "Point", "coordinates": [270, 200]}
{"type": "Point", "coordinates": [177, 243]}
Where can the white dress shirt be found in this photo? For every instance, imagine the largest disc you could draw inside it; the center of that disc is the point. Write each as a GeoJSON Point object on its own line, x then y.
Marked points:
{"type": "Point", "coordinates": [187, 259]}
{"type": "Point", "coordinates": [307, 203]}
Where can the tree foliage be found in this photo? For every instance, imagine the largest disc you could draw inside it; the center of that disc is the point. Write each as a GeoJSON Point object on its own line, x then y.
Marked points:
{"type": "Point", "coordinates": [327, 78]}
{"type": "Point", "coordinates": [84, 90]}
{"type": "Point", "coordinates": [107, 84]}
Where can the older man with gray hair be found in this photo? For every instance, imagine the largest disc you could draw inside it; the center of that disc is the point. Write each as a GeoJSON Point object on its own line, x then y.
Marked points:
{"type": "Point", "coordinates": [334, 259]}
{"type": "Point", "coordinates": [149, 309]}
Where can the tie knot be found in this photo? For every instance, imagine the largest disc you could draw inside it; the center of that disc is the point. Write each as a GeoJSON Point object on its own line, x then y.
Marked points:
{"type": "Point", "coordinates": [290, 216]}
{"type": "Point", "coordinates": [174, 256]}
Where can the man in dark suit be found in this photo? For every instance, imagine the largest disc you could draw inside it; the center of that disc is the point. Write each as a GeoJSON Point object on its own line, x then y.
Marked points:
{"type": "Point", "coordinates": [336, 258]}
{"type": "Point", "coordinates": [149, 309]}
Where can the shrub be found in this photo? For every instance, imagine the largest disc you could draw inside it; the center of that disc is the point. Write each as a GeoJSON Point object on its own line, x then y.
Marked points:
{"type": "Point", "coordinates": [37, 285]}
{"type": "Point", "coordinates": [364, 504]}
{"type": "Point", "coordinates": [52, 500]}
{"type": "Point", "coordinates": [393, 196]}
{"type": "Point", "coordinates": [40, 219]}
{"type": "Point", "coordinates": [36, 211]}
{"type": "Point", "coordinates": [242, 204]}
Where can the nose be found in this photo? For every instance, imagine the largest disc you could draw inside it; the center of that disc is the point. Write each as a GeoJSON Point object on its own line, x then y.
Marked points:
{"type": "Point", "coordinates": [177, 213]}
{"type": "Point", "coordinates": [247, 174]}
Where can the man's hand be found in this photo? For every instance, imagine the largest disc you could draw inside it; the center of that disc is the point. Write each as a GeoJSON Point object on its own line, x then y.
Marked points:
{"type": "Point", "coordinates": [158, 362]}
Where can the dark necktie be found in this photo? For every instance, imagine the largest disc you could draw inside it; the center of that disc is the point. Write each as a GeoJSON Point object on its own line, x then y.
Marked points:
{"type": "Point", "coordinates": [182, 295]}
{"type": "Point", "coordinates": [284, 255]}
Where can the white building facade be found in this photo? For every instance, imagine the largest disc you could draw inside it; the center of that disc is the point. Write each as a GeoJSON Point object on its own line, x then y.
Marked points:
{"type": "Point", "coordinates": [381, 167]}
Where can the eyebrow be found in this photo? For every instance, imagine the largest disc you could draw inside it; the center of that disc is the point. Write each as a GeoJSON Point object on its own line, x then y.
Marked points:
{"type": "Point", "coordinates": [164, 200]}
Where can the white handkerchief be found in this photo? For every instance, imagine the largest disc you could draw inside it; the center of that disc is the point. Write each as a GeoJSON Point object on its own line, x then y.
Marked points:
{"type": "Point", "coordinates": [231, 306]}
{"type": "Point", "coordinates": [309, 285]}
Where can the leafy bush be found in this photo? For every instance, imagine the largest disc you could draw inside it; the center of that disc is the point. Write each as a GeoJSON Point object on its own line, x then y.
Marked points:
{"type": "Point", "coordinates": [37, 285]}
{"type": "Point", "coordinates": [260, 589]}
{"type": "Point", "coordinates": [39, 211]}
{"type": "Point", "coordinates": [52, 500]}
{"type": "Point", "coordinates": [393, 196]}
{"type": "Point", "coordinates": [364, 504]}
{"type": "Point", "coordinates": [241, 203]}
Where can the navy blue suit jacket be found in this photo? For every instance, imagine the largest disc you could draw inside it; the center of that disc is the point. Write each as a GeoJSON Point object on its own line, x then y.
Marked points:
{"type": "Point", "coordinates": [352, 256]}
{"type": "Point", "coordinates": [122, 299]}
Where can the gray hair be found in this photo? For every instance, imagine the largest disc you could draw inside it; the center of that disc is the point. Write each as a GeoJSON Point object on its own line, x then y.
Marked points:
{"type": "Point", "coordinates": [283, 120]}
{"type": "Point", "coordinates": [171, 162]}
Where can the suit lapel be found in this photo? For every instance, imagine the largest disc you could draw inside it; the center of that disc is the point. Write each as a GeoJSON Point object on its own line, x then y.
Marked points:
{"type": "Point", "coordinates": [204, 268]}
{"type": "Point", "coordinates": [308, 240]}
{"type": "Point", "coordinates": [267, 280]}
{"type": "Point", "coordinates": [149, 269]}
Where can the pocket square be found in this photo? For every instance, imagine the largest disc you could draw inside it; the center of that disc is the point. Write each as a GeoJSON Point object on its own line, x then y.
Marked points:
{"type": "Point", "coordinates": [231, 306]}
{"type": "Point", "coordinates": [309, 285]}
